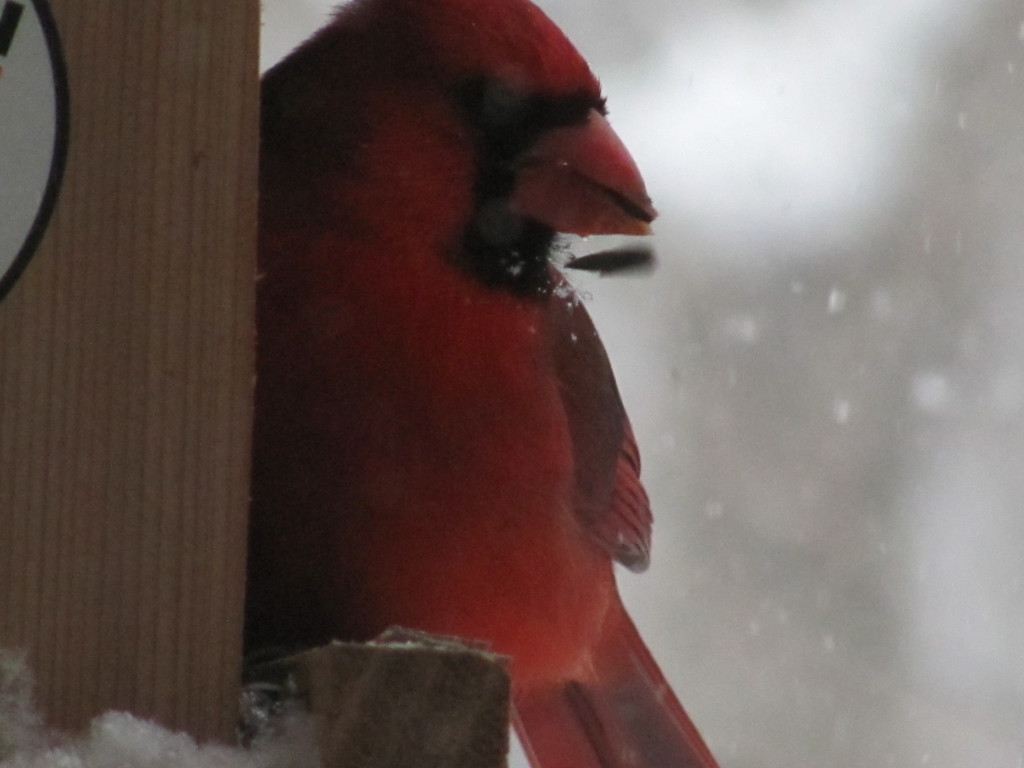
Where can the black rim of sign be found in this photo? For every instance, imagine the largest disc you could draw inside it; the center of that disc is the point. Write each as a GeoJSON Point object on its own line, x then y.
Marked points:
{"type": "Point", "coordinates": [60, 150]}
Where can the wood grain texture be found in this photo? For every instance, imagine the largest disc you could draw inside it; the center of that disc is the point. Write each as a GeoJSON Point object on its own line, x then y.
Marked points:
{"type": "Point", "coordinates": [406, 700]}
{"type": "Point", "coordinates": [126, 373]}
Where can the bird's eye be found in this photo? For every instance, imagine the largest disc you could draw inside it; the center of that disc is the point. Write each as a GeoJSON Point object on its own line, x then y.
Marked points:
{"type": "Point", "coordinates": [508, 120]}
{"type": "Point", "coordinates": [490, 105]}
{"type": "Point", "coordinates": [501, 106]}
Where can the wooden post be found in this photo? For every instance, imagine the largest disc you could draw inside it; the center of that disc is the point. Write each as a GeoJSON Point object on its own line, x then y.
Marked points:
{"type": "Point", "coordinates": [126, 373]}
{"type": "Point", "coordinates": [408, 700]}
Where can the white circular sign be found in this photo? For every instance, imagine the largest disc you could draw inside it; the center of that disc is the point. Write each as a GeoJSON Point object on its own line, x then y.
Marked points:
{"type": "Point", "coordinates": [33, 130]}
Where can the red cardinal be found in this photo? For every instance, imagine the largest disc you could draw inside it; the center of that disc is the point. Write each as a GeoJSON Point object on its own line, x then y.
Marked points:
{"type": "Point", "coordinates": [439, 441]}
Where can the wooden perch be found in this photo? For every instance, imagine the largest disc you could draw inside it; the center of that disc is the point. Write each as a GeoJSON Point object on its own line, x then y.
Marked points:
{"type": "Point", "coordinates": [406, 700]}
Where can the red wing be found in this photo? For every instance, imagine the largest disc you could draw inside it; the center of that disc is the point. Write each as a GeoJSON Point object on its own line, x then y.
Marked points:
{"type": "Point", "coordinates": [626, 529]}
{"type": "Point", "coordinates": [609, 496]}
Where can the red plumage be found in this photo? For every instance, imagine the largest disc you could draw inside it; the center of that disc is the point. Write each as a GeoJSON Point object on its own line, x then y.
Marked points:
{"type": "Point", "coordinates": [439, 442]}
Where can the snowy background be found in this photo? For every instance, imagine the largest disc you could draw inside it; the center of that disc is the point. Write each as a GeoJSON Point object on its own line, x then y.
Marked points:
{"type": "Point", "coordinates": [826, 372]}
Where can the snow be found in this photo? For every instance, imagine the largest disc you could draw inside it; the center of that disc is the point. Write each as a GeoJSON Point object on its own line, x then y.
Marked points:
{"type": "Point", "coordinates": [121, 740]}
{"type": "Point", "coordinates": [742, 328]}
{"type": "Point", "coordinates": [836, 301]}
{"type": "Point", "coordinates": [931, 392]}
{"type": "Point", "coordinates": [841, 410]}
{"type": "Point", "coordinates": [20, 725]}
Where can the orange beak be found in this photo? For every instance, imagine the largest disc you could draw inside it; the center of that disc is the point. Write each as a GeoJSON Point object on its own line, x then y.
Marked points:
{"type": "Point", "coordinates": [582, 180]}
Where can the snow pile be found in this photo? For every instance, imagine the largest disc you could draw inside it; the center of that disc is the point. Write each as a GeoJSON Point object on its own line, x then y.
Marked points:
{"type": "Point", "coordinates": [21, 727]}
{"type": "Point", "coordinates": [120, 740]}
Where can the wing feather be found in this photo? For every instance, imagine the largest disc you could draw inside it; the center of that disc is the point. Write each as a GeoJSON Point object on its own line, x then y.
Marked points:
{"type": "Point", "coordinates": [610, 499]}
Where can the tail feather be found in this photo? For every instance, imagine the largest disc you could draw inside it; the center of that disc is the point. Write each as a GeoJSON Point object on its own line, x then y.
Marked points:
{"type": "Point", "coordinates": [626, 716]}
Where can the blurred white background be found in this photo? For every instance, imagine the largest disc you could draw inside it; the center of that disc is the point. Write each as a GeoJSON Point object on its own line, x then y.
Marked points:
{"type": "Point", "coordinates": [826, 372]}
